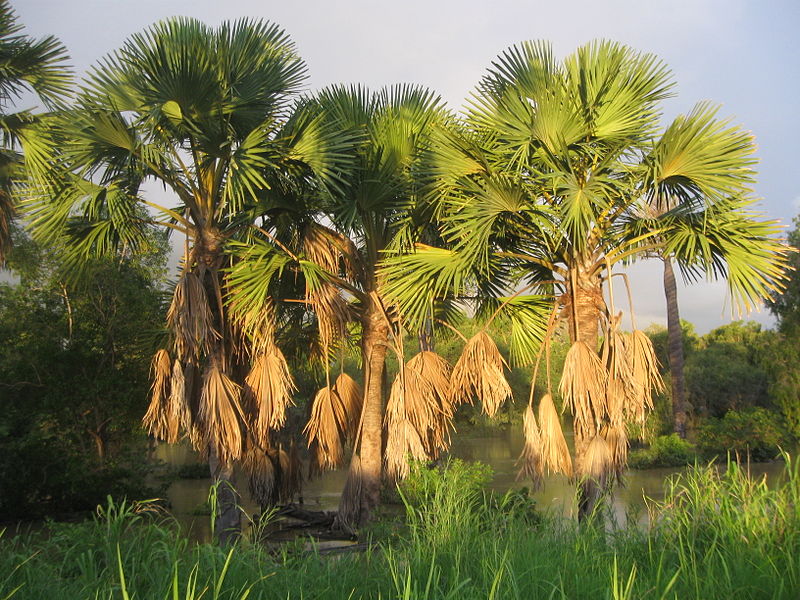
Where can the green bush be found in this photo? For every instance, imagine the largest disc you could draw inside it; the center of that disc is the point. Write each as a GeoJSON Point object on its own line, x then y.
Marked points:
{"type": "Point", "coordinates": [424, 483]}
{"type": "Point", "coordinates": [664, 451]}
{"type": "Point", "coordinates": [756, 432]}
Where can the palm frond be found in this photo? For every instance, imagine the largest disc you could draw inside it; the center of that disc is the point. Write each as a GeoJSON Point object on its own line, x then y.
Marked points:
{"type": "Point", "coordinates": [530, 462]}
{"type": "Point", "coordinates": [220, 417]}
{"type": "Point", "coordinates": [479, 374]}
{"type": "Point", "coordinates": [583, 386]}
{"type": "Point", "coordinates": [554, 451]}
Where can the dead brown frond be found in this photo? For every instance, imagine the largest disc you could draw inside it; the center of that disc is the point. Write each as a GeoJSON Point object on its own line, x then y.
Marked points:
{"type": "Point", "coordinates": [418, 414]}
{"type": "Point", "coordinates": [617, 439]}
{"type": "Point", "coordinates": [220, 414]}
{"type": "Point", "coordinates": [349, 516]}
{"type": "Point", "coordinates": [192, 394]}
{"type": "Point", "coordinates": [258, 327]}
{"type": "Point", "coordinates": [554, 451]}
{"type": "Point", "coordinates": [583, 386]}
{"type": "Point", "coordinates": [190, 318]}
{"type": "Point", "coordinates": [291, 480]}
{"type": "Point", "coordinates": [268, 389]}
{"type": "Point", "coordinates": [479, 373]}
{"type": "Point", "coordinates": [332, 251]}
{"type": "Point", "coordinates": [160, 420]}
{"type": "Point", "coordinates": [334, 417]}
{"type": "Point", "coordinates": [323, 431]}
{"type": "Point", "coordinates": [332, 311]}
{"type": "Point", "coordinates": [646, 377]}
{"type": "Point", "coordinates": [597, 461]}
{"type": "Point", "coordinates": [335, 254]}
{"type": "Point", "coordinates": [352, 396]}
{"type": "Point", "coordinates": [403, 441]}
{"type": "Point", "coordinates": [261, 478]}
{"type": "Point", "coordinates": [530, 461]}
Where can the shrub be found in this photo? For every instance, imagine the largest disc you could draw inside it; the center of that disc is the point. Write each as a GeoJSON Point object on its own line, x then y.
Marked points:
{"type": "Point", "coordinates": [756, 432]}
{"type": "Point", "coordinates": [664, 451]}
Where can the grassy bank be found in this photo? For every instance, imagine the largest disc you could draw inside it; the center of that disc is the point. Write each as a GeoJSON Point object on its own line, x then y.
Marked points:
{"type": "Point", "coordinates": [714, 536]}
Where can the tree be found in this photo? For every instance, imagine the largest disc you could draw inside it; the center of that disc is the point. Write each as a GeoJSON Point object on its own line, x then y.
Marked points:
{"type": "Point", "coordinates": [341, 235]}
{"type": "Point", "coordinates": [546, 190]}
{"type": "Point", "coordinates": [74, 373]}
{"type": "Point", "coordinates": [208, 114]}
{"type": "Point", "coordinates": [28, 65]}
{"type": "Point", "coordinates": [786, 304]}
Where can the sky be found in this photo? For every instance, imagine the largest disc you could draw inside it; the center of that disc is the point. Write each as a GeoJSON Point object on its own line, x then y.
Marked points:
{"type": "Point", "coordinates": [741, 54]}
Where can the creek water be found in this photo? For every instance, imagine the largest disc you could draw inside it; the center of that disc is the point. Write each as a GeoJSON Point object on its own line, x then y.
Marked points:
{"type": "Point", "coordinates": [499, 450]}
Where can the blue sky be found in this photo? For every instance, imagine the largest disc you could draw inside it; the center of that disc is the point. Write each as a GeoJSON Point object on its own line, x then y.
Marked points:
{"type": "Point", "coordinates": [741, 54]}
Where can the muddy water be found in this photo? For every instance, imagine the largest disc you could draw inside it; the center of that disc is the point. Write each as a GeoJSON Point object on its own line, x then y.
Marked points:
{"type": "Point", "coordinates": [499, 450]}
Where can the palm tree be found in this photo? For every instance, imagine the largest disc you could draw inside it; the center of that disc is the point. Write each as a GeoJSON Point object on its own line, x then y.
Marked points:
{"type": "Point", "coordinates": [546, 186]}
{"type": "Point", "coordinates": [208, 114]}
{"type": "Point", "coordinates": [341, 235]}
{"type": "Point", "coordinates": [27, 65]}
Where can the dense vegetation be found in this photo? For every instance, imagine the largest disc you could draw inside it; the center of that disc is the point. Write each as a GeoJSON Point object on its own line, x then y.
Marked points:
{"type": "Point", "coordinates": [716, 534]}
{"type": "Point", "coordinates": [330, 235]}
{"type": "Point", "coordinates": [74, 371]}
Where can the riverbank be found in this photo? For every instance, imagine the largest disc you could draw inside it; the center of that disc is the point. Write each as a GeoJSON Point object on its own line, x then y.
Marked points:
{"type": "Point", "coordinates": [714, 535]}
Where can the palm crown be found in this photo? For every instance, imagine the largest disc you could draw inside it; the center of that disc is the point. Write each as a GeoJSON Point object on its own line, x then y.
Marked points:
{"type": "Point", "coordinates": [552, 181]}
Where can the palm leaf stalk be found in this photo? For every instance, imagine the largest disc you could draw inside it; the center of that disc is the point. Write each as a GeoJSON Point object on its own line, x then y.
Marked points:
{"type": "Point", "coordinates": [209, 114]}
{"type": "Point", "coordinates": [548, 182]}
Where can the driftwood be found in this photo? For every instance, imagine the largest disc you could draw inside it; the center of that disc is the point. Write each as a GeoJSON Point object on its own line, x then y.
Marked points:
{"type": "Point", "coordinates": [311, 518]}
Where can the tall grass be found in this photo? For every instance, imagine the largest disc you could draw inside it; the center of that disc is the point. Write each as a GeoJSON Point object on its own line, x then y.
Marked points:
{"type": "Point", "coordinates": [716, 534]}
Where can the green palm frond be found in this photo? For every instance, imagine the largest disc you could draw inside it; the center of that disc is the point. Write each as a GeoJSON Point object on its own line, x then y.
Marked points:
{"type": "Point", "coordinates": [699, 156]}
{"type": "Point", "coordinates": [728, 240]}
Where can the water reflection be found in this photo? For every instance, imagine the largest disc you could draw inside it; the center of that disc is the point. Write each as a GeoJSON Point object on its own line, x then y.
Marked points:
{"type": "Point", "coordinates": [499, 450]}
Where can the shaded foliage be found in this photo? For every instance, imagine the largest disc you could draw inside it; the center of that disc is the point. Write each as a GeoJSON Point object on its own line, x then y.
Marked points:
{"type": "Point", "coordinates": [74, 371]}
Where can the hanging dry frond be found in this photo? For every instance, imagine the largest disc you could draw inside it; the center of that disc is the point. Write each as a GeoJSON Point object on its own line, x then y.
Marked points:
{"type": "Point", "coordinates": [583, 386]}
{"type": "Point", "coordinates": [220, 414]}
{"type": "Point", "coordinates": [261, 478]}
{"type": "Point", "coordinates": [164, 414]}
{"type": "Point", "coordinates": [617, 439]}
{"type": "Point", "coordinates": [323, 432]}
{"type": "Point", "coordinates": [159, 420]}
{"type": "Point", "coordinates": [332, 251]}
{"type": "Point", "coordinates": [479, 373]}
{"type": "Point", "coordinates": [554, 451]}
{"type": "Point", "coordinates": [349, 515]}
{"type": "Point", "coordinates": [403, 441]}
{"type": "Point", "coordinates": [332, 311]}
{"type": "Point", "coordinates": [419, 399]}
{"type": "Point", "coordinates": [352, 396]}
{"type": "Point", "coordinates": [178, 400]}
{"type": "Point", "coordinates": [190, 318]}
{"type": "Point", "coordinates": [258, 327]}
{"type": "Point", "coordinates": [597, 462]}
{"type": "Point", "coordinates": [291, 470]}
{"type": "Point", "coordinates": [644, 367]}
{"type": "Point", "coordinates": [530, 460]}
{"type": "Point", "coordinates": [193, 393]}
{"type": "Point", "coordinates": [428, 376]}
{"type": "Point", "coordinates": [268, 390]}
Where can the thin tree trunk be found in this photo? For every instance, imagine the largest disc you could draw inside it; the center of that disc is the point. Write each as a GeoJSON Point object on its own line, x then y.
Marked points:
{"type": "Point", "coordinates": [227, 520]}
{"type": "Point", "coordinates": [675, 336]}
{"type": "Point", "coordinates": [587, 296]}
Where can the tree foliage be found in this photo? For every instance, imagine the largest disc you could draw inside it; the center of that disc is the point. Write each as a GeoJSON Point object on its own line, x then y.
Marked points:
{"type": "Point", "coordinates": [74, 372]}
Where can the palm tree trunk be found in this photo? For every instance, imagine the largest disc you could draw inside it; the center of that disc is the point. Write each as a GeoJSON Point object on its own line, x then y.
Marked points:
{"type": "Point", "coordinates": [354, 512]}
{"type": "Point", "coordinates": [675, 336]}
{"type": "Point", "coordinates": [227, 517]}
{"type": "Point", "coordinates": [585, 318]}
